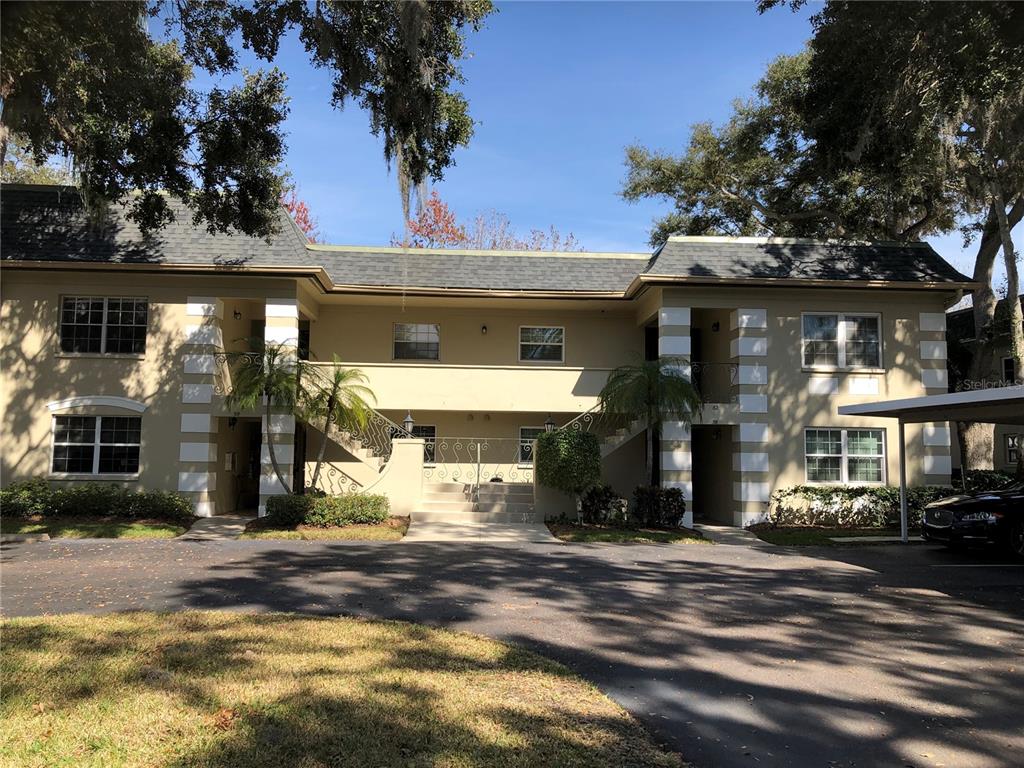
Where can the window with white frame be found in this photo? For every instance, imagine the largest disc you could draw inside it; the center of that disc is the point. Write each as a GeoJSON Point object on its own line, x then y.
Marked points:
{"type": "Point", "coordinates": [844, 455]}
{"type": "Point", "coordinates": [429, 435]}
{"type": "Point", "coordinates": [417, 341]}
{"type": "Point", "coordinates": [103, 325]}
{"type": "Point", "coordinates": [841, 341]}
{"type": "Point", "coordinates": [527, 436]}
{"type": "Point", "coordinates": [1012, 449]}
{"type": "Point", "coordinates": [541, 343]}
{"type": "Point", "coordinates": [96, 445]}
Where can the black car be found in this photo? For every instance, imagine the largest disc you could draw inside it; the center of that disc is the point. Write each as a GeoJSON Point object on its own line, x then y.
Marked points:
{"type": "Point", "coordinates": [983, 517]}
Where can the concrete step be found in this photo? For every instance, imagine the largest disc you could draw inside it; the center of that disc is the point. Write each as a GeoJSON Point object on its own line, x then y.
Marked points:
{"type": "Point", "coordinates": [475, 506]}
{"type": "Point", "coordinates": [446, 487]}
{"type": "Point", "coordinates": [512, 498]}
{"type": "Point", "coordinates": [448, 516]}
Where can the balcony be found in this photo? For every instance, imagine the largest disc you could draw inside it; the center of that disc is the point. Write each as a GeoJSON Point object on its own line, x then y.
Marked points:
{"type": "Point", "coordinates": [438, 387]}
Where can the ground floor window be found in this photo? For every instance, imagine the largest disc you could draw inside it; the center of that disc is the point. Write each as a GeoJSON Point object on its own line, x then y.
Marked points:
{"type": "Point", "coordinates": [96, 445]}
{"type": "Point", "coordinates": [527, 436]}
{"type": "Point", "coordinates": [429, 435]}
{"type": "Point", "coordinates": [844, 455]}
{"type": "Point", "coordinates": [1012, 449]}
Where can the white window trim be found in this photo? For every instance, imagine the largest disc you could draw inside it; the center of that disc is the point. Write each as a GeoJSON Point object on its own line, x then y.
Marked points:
{"type": "Point", "coordinates": [841, 342]}
{"type": "Point", "coordinates": [844, 468]}
{"type": "Point", "coordinates": [103, 328]}
{"type": "Point", "coordinates": [520, 342]}
{"type": "Point", "coordinates": [519, 457]}
{"type": "Point", "coordinates": [95, 474]}
{"type": "Point", "coordinates": [414, 360]}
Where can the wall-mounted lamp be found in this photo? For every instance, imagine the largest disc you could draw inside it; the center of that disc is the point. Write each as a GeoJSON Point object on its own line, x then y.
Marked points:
{"type": "Point", "coordinates": [232, 422]}
{"type": "Point", "coordinates": [407, 422]}
{"type": "Point", "coordinates": [483, 329]}
{"type": "Point", "coordinates": [237, 315]}
{"type": "Point", "coordinates": [549, 425]}
{"type": "Point", "coordinates": [715, 326]}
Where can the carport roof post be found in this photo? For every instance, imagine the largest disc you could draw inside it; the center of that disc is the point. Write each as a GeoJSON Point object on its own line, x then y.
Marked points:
{"type": "Point", "coordinates": [1003, 405]}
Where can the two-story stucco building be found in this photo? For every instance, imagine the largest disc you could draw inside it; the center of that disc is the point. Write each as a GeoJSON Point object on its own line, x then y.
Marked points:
{"type": "Point", "coordinates": [114, 345]}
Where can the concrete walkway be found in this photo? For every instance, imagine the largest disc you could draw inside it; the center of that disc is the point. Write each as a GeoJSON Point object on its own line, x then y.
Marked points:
{"type": "Point", "coordinates": [217, 528]}
{"type": "Point", "coordinates": [480, 533]}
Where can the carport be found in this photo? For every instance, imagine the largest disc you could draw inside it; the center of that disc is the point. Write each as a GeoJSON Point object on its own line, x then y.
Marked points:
{"type": "Point", "coordinates": [1004, 405]}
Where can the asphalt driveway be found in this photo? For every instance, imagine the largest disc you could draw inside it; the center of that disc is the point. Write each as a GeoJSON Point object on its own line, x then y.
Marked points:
{"type": "Point", "coordinates": [735, 655]}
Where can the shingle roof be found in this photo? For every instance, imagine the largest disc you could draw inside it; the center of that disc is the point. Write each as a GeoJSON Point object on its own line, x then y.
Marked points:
{"type": "Point", "coordinates": [49, 223]}
{"type": "Point", "coordinates": [482, 270]}
{"type": "Point", "coordinates": [39, 223]}
{"type": "Point", "coordinates": [765, 258]}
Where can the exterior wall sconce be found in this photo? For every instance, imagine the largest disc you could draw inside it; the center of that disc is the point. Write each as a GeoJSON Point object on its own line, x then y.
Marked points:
{"type": "Point", "coordinates": [407, 422]}
{"type": "Point", "coordinates": [237, 315]}
{"type": "Point", "coordinates": [483, 330]}
{"type": "Point", "coordinates": [549, 425]}
{"type": "Point", "coordinates": [715, 326]}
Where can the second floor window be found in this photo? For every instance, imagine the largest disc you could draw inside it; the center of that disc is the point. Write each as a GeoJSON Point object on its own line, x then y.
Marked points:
{"type": "Point", "coordinates": [541, 343]}
{"type": "Point", "coordinates": [96, 445]}
{"type": "Point", "coordinates": [111, 325]}
{"type": "Point", "coordinates": [417, 341]}
{"type": "Point", "coordinates": [841, 341]}
{"type": "Point", "coordinates": [1012, 449]}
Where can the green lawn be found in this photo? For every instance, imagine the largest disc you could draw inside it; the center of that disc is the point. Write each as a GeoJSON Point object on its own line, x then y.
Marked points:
{"type": "Point", "coordinates": [392, 530]}
{"type": "Point", "coordinates": [819, 537]}
{"type": "Point", "coordinates": [253, 691]}
{"type": "Point", "coordinates": [617, 535]}
{"type": "Point", "coordinates": [93, 527]}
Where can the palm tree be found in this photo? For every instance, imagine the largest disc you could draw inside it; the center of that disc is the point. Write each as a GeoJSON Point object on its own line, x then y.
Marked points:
{"type": "Point", "coordinates": [653, 391]}
{"type": "Point", "coordinates": [336, 396]}
{"type": "Point", "coordinates": [269, 377]}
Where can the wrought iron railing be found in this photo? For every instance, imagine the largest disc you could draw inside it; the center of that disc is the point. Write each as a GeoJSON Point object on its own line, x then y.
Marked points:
{"type": "Point", "coordinates": [334, 481]}
{"type": "Point", "coordinates": [376, 434]}
{"type": "Point", "coordinates": [601, 423]}
{"type": "Point", "coordinates": [476, 461]}
{"type": "Point", "coordinates": [715, 381]}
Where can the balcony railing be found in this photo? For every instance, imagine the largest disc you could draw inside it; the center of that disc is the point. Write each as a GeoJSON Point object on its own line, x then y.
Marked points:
{"type": "Point", "coordinates": [474, 460]}
{"type": "Point", "coordinates": [715, 381]}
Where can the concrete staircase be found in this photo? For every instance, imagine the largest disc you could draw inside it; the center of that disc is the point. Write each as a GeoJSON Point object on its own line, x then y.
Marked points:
{"type": "Point", "coordinates": [619, 437]}
{"type": "Point", "coordinates": [490, 503]}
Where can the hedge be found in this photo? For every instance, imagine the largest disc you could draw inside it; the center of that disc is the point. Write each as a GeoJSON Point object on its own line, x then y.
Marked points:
{"type": "Point", "coordinates": [659, 506]}
{"type": "Point", "coordinates": [328, 511]}
{"type": "Point", "coordinates": [568, 460]}
{"type": "Point", "coordinates": [37, 498]}
{"type": "Point", "coordinates": [848, 506]}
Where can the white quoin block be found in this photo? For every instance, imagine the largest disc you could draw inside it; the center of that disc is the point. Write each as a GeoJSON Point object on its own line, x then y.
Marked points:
{"type": "Point", "coordinates": [751, 491]}
{"type": "Point", "coordinates": [750, 462]}
{"type": "Point", "coordinates": [937, 434]}
{"type": "Point", "coordinates": [935, 378]}
{"type": "Point", "coordinates": [937, 465]}
{"type": "Point", "coordinates": [861, 385]}
{"type": "Point", "coordinates": [675, 430]}
{"type": "Point", "coordinates": [204, 508]}
{"type": "Point", "coordinates": [753, 403]}
{"type": "Point", "coordinates": [933, 350]}
{"type": "Point", "coordinates": [753, 374]}
{"type": "Point", "coordinates": [669, 346]}
{"type": "Point", "coordinates": [282, 308]}
{"type": "Point", "coordinates": [270, 485]}
{"type": "Point", "coordinates": [205, 364]}
{"type": "Point", "coordinates": [674, 316]}
{"type": "Point", "coordinates": [286, 336]}
{"type": "Point", "coordinates": [933, 321]}
{"type": "Point", "coordinates": [749, 318]}
{"type": "Point", "coordinates": [748, 346]}
{"type": "Point", "coordinates": [283, 452]}
{"type": "Point", "coordinates": [679, 459]}
{"type": "Point", "coordinates": [197, 393]}
{"type": "Point", "coordinates": [280, 424]}
{"type": "Point", "coordinates": [817, 385]}
{"type": "Point", "coordinates": [754, 433]}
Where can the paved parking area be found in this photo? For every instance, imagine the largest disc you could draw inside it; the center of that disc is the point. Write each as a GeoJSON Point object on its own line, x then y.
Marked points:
{"type": "Point", "coordinates": [479, 533]}
{"type": "Point", "coordinates": [735, 655]}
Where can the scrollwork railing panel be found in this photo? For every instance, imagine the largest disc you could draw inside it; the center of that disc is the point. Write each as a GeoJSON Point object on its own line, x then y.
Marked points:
{"type": "Point", "coordinates": [476, 461]}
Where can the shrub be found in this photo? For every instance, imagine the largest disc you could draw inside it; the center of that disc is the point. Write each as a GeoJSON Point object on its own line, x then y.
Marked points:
{"type": "Point", "coordinates": [982, 480]}
{"type": "Point", "coordinates": [600, 504]}
{"type": "Point", "coordinates": [25, 498]}
{"type": "Point", "coordinates": [327, 511]}
{"type": "Point", "coordinates": [36, 497]}
{"type": "Point", "coordinates": [350, 509]}
{"type": "Point", "coordinates": [289, 510]}
{"type": "Point", "coordinates": [848, 506]}
{"type": "Point", "coordinates": [659, 506]}
{"type": "Point", "coordinates": [568, 460]}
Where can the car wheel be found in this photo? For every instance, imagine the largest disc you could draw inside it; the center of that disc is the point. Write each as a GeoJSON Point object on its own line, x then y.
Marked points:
{"type": "Point", "coordinates": [1017, 538]}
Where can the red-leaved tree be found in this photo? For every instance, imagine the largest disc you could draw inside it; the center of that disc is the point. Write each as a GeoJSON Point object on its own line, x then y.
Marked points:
{"type": "Point", "coordinates": [436, 226]}
{"type": "Point", "coordinates": [298, 209]}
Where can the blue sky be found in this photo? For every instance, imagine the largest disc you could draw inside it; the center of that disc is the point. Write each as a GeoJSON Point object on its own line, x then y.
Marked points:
{"type": "Point", "coordinates": [558, 91]}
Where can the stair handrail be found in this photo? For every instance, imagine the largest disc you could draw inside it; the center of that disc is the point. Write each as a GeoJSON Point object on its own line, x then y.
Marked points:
{"type": "Point", "coordinates": [377, 433]}
{"type": "Point", "coordinates": [598, 421]}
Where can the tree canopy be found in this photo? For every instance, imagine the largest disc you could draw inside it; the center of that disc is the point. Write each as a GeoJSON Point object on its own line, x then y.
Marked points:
{"type": "Point", "coordinates": [96, 86]}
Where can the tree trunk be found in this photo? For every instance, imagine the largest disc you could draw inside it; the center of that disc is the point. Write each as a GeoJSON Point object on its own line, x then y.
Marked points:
{"type": "Point", "coordinates": [1016, 319]}
{"type": "Point", "coordinates": [273, 456]}
{"type": "Point", "coordinates": [323, 441]}
{"type": "Point", "coordinates": [650, 455]}
{"type": "Point", "coordinates": [978, 437]}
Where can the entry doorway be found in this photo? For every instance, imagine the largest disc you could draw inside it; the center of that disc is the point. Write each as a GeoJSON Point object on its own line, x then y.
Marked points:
{"type": "Point", "coordinates": [712, 448]}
